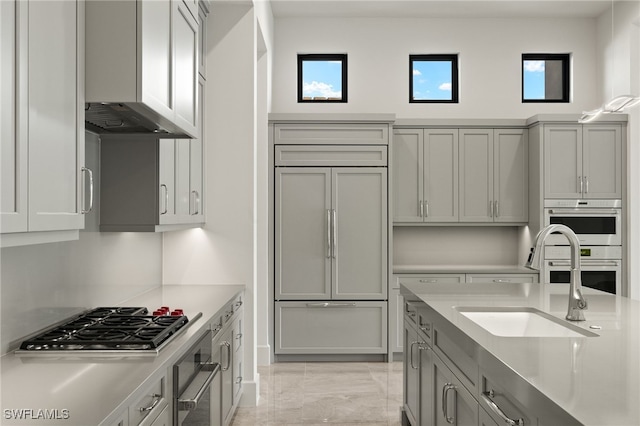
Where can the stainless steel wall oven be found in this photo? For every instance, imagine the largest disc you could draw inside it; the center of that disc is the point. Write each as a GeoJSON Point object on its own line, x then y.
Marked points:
{"type": "Point", "coordinates": [595, 222]}
{"type": "Point", "coordinates": [601, 267]}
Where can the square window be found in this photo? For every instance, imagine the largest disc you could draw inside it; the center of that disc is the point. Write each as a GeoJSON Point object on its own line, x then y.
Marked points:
{"type": "Point", "coordinates": [322, 78]}
{"type": "Point", "coordinates": [545, 77]}
{"type": "Point", "coordinates": [433, 78]}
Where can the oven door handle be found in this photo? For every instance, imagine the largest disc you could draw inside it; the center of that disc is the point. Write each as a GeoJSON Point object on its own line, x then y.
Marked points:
{"type": "Point", "coordinates": [597, 212]}
{"type": "Point", "coordinates": [190, 398]}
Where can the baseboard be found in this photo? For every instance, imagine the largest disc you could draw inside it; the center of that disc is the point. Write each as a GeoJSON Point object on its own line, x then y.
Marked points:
{"type": "Point", "coordinates": [250, 393]}
{"type": "Point", "coordinates": [263, 353]}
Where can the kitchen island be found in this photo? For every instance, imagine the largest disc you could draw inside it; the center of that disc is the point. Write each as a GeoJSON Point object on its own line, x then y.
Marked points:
{"type": "Point", "coordinates": [584, 380]}
{"type": "Point", "coordinates": [84, 390]}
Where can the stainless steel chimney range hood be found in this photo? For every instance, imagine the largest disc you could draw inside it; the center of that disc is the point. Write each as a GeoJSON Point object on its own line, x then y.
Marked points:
{"type": "Point", "coordinates": [115, 118]}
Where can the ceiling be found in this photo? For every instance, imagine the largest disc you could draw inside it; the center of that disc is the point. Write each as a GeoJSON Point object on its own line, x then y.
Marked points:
{"type": "Point", "coordinates": [440, 9]}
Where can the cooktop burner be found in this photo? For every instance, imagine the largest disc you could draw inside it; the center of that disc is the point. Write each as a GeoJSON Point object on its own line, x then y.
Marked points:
{"type": "Point", "coordinates": [108, 329]}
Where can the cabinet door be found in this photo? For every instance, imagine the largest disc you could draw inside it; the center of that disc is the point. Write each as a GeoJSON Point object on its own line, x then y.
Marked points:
{"type": "Point", "coordinates": [563, 161]}
{"type": "Point", "coordinates": [427, 397]}
{"type": "Point", "coordinates": [411, 365]}
{"type": "Point", "coordinates": [226, 369]}
{"type": "Point", "coordinates": [359, 250]}
{"type": "Point", "coordinates": [167, 181]}
{"type": "Point", "coordinates": [440, 175]}
{"type": "Point", "coordinates": [602, 161]}
{"type": "Point", "coordinates": [55, 113]}
{"type": "Point", "coordinates": [407, 175]}
{"type": "Point", "coordinates": [238, 349]}
{"type": "Point", "coordinates": [185, 56]}
{"type": "Point", "coordinates": [396, 314]}
{"type": "Point", "coordinates": [183, 180]}
{"type": "Point", "coordinates": [511, 176]}
{"type": "Point", "coordinates": [156, 65]}
{"type": "Point", "coordinates": [303, 233]}
{"type": "Point", "coordinates": [13, 144]}
{"type": "Point", "coordinates": [196, 189]}
{"type": "Point", "coordinates": [202, 43]}
{"type": "Point", "coordinates": [453, 403]}
{"type": "Point", "coordinates": [476, 175]}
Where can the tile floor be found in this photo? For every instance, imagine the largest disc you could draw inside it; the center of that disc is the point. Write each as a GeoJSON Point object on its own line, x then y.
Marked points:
{"type": "Point", "coordinates": [320, 393]}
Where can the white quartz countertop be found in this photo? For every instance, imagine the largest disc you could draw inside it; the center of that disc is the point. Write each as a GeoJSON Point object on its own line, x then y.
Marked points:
{"type": "Point", "coordinates": [462, 269]}
{"type": "Point", "coordinates": [594, 379]}
{"type": "Point", "coordinates": [92, 389]}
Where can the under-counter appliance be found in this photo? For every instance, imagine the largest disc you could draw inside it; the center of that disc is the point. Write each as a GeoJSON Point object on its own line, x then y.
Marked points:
{"type": "Point", "coordinates": [109, 330]}
{"type": "Point", "coordinates": [196, 386]}
{"type": "Point", "coordinates": [595, 222]}
{"type": "Point", "coordinates": [601, 266]}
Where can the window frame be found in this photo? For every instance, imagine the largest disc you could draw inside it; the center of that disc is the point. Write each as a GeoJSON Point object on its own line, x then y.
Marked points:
{"type": "Point", "coordinates": [565, 58]}
{"type": "Point", "coordinates": [453, 58]}
{"type": "Point", "coordinates": [342, 57]}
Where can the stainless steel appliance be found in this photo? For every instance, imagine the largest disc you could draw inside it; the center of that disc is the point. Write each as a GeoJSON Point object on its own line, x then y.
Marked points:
{"type": "Point", "coordinates": [196, 386]}
{"type": "Point", "coordinates": [601, 267]}
{"type": "Point", "coordinates": [595, 222]}
{"type": "Point", "coordinates": [108, 330]}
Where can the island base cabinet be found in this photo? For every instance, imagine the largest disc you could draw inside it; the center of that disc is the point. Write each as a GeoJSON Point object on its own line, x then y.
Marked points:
{"type": "Point", "coordinates": [331, 327]}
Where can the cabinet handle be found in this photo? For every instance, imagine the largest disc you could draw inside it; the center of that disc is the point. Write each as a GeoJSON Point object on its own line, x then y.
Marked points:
{"type": "Point", "coordinates": [238, 336]}
{"type": "Point", "coordinates": [580, 182]}
{"type": "Point", "coordinates": [425, 327]}
{"type": "Point", "coordinates": [426, 208]}
{"type": "Point", "coordinates": [428, 281]}
{"type": "Point", "coordinates": [334, 246]}
{"type": "Point", "coordinates": [421, 208]}
{"type": "Point", "coordinates": [502, 281]}
{"type": "Point", "coordinates": [227, 345]}
{"type": "Point", "coordinates": [496, 208]}
{"type": "Point", "coordinates": [156, 400]}
{"type": "Point", "coordinates": [328, 234]}
{"type": "Point", "coordinates": [445, 409]}
{"type": "Point", "coordinates": [331, 305]}
{"type": "Point", "coordinates": [586, 184]}
{"type": "Point", "coordinates": [196, 202]}
{"type": "Point", "coordinates": [411, 355]}
{"type": "Point", "coordinates": [238, 380]}
{"type": "Point", "coordinates": [90, 173]}
{"type": "Point", "coordinates": [486, 396]}
{"type": "Point", "coordinates": [166, 198]}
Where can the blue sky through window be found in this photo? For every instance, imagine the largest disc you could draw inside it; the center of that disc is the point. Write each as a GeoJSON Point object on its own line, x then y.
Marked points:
{"type": "Point", "coordinates": [533, 79]}
{"type": "Point", "coordinates": [322, 79]}
{"type": "Point", "coordinates": [432, 80]}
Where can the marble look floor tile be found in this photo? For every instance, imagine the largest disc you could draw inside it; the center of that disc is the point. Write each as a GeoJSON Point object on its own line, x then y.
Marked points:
{"type": "Point", "coordinates": [326, 393]}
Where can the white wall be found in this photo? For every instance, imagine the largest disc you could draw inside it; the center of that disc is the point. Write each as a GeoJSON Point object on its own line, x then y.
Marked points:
{"type": "Point", "coordinates": [489, 60]}
{"type": "Point", "coordinates": [619, 73]}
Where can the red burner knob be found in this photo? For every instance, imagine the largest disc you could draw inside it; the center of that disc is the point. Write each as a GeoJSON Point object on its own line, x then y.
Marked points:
{"type": "Point", "coordinates": [177, 312]}
{"type": "Point", "coordinates": [158, 313]}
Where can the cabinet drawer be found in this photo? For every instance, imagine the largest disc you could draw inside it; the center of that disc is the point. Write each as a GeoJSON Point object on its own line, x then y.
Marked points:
{"type": "Point", "coordinates": [502, 278]}
{"type": "Point", "coordinates": [149, 403]}
{"type": "Point", "coordinates": [331, 133]}
{"type": "Point", "coordinates": [329, 155]}
{"type": "Point", "coordinates": [433, 279]}
{"type": "Point", "coordinates": [331, 327]}
{"type": "Point", "coordinates": [499, 404]}
{"type": "Point", "coordinates": [456, 352]}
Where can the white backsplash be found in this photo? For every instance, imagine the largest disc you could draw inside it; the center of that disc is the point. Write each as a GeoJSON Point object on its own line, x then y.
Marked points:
{"type": "Point", "coordinates": [456, 245]}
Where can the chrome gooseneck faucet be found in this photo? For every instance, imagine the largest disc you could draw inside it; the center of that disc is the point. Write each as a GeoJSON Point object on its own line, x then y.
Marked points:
{"type": "Point", "coordinates": [577, 303]}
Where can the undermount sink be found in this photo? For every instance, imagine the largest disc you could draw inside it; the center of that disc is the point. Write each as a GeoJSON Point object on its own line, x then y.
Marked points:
{"type": "Point", "coordinates": [521, 322]}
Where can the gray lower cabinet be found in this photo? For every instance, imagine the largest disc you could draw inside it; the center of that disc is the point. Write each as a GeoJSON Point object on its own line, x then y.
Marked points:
{"type": "Point", "coordinates": [452, 402]}
{"type": "Point", "coordinates": [332, 327]}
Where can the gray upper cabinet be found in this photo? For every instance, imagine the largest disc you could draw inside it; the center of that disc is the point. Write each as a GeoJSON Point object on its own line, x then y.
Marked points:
{"type": "Point", "coordinates": [43, 174]}
{"type": "Point", "coordinates": [425, 175]}
{"type": "Point", "coordinates": [494, 175]}
{"type": "Point", "coordinates": [331, 233]}
{"type": "Point", "coordinates": [583, 161]}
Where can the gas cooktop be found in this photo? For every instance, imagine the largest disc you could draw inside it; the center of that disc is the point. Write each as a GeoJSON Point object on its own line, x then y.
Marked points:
{"type": "Point", "coordinates": [107, 330]}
